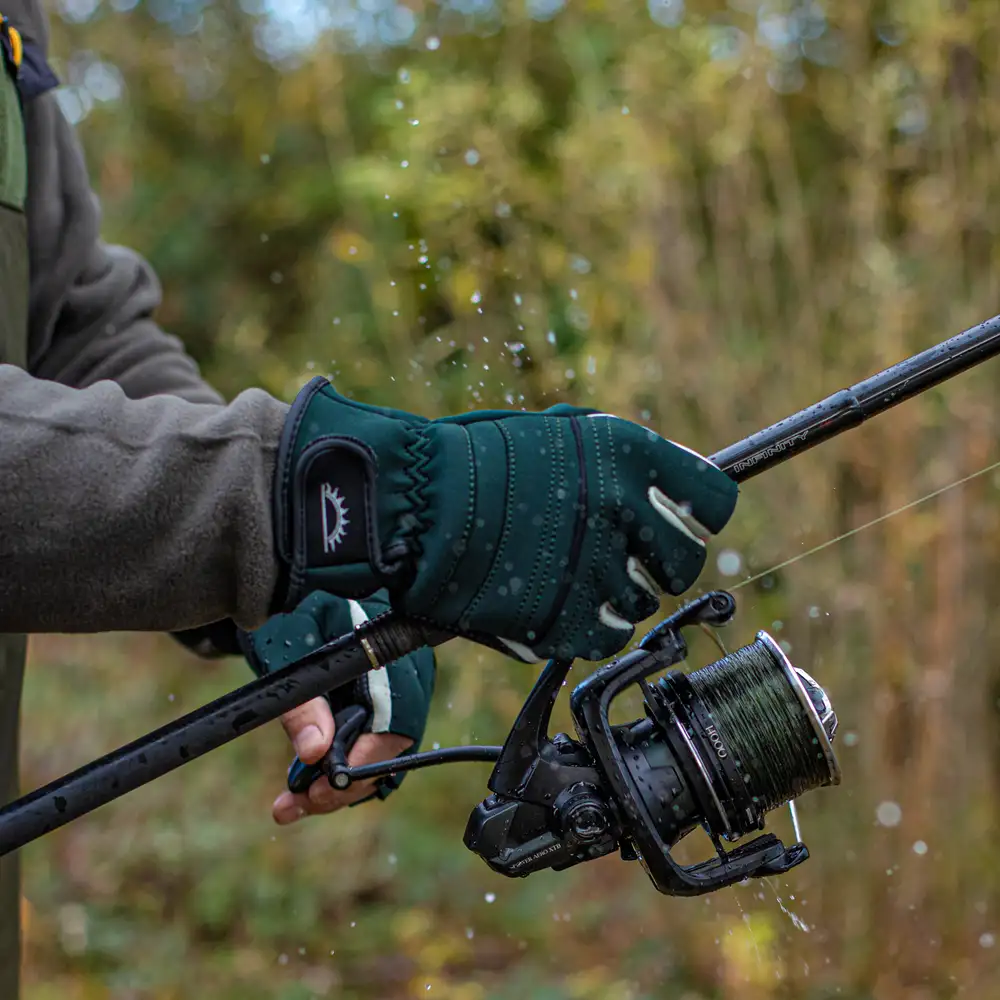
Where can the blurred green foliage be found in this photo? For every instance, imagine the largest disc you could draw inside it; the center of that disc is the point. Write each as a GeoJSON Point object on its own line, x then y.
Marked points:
{"type": "Point", "coordinates": [700, 216]}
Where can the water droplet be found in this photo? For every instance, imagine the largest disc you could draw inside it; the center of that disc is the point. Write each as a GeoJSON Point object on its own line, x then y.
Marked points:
{"type": "Point", "coordinates": [471, 157]}
{"type": "Point", "coordinates": [403, 76]}
{"type": "Point", "coordinates": [405, 164]}
{"type": "Point", "coordinates": [624, 109]}
{"type": "Point", "coordinates": [888, 814]}
{"type": "Point", "coordinates": [470, 933]}
{"type": "Point", "coordinates": [433, 43]}
{"type": "Point", "coordinates": [668, 13]}
{"type": "Point", "coordinates": [987, 940]}
{"type": "Point", "coordinates": [890, 34]}
{"type": "Point", "coordinates": [265, 158]}
{"type": "Point", "coordinates": [850, 739]}
{"type": "Point", "coordinates": [729, 562]}
{"type": "Point", "coordinates": [476, 297]}
{"type": "Point", "coordinates": [399, 104]}
{"type": "Point", "coordinates": [551, 336]}
{"type": "Point", "coordinates": [490, 897]}
{"type": "Point", "coordinates": [919, 847]}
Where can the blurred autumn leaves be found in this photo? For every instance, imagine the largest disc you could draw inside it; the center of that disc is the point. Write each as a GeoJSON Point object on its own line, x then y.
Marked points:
{"type": "Point", "coordinates": [701, 216]}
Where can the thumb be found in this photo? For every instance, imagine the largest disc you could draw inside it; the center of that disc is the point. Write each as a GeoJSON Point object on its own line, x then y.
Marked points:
{"type": "Point", "coordinates": [310, 728]}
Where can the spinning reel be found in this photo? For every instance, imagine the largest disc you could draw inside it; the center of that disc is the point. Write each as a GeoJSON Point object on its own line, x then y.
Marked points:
{"type": "Point", "coordinates": [718, 748]}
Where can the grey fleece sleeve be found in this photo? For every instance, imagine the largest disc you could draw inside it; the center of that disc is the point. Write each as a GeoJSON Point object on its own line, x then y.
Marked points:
{"type": "Point", "coordinates": [133, 514]}
{"type": "Point", "coordinates": [117, 513]}
{"type": "Point", "coordinates": [91, 304]}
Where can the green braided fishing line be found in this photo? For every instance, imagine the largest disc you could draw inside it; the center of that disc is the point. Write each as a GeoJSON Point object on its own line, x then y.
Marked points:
{"type": "Point", "coordinates": [763, 724]}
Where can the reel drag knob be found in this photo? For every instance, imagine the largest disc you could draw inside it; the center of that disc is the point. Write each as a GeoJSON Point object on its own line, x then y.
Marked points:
{"type": "Point", "coordinates": [582, 814]}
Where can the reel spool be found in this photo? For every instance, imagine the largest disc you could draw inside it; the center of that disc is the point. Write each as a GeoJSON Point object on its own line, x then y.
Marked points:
{"type": "Point", "coordinates": [719, 748]}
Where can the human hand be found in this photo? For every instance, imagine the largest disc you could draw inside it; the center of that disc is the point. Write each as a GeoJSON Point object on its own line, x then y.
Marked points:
{"type": "Point", "coordinates": [310, 727]}
{"type": "Point", "coordinates": [395, 699]}
{"type": "Point", "coordinates": [547, 534]}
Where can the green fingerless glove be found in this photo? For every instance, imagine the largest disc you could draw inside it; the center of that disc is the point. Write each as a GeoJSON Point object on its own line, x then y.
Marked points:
{"type": "Point", "coordinates": [550, 532]}
{"type": "Point", "coordinates": [397, 698]}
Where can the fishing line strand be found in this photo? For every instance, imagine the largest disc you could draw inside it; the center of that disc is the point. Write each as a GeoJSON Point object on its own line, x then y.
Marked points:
{"type": "Point", "coordinates": [869, 524]}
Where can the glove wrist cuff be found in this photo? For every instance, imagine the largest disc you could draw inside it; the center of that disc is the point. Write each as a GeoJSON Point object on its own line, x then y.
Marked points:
{"type": "Point", "coordinates": [326, 516]}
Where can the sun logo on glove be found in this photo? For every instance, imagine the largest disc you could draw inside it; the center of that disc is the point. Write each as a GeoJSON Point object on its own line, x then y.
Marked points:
{"type": "Point", "coordinates": [334, 517]}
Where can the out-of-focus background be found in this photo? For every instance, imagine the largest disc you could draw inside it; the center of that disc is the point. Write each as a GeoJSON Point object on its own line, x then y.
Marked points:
{"type": "Point", "coordinates": [698, 215]}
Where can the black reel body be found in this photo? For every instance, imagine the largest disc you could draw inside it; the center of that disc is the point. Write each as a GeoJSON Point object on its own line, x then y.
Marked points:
{"type": "Point", "coordinates": [718, 748]}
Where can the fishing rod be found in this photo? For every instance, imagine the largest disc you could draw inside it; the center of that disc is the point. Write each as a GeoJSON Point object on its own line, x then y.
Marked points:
{"type": "Point", "coordinates": [719, 747]}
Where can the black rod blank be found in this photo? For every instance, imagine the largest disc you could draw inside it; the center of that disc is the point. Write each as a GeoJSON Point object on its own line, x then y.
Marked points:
{"type": "Point", "coordinates": [211, 726]}
{"type": "Point", "coordinates": [850, 407]}
{"type": "Point", "coordinates": [387, 638]}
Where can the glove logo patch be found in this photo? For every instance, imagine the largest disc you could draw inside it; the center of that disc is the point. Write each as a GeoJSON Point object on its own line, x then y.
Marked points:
{"type": "Point", "coordinates": [334, 487]}
{"type": "Point", "coordinates": [334, 515]}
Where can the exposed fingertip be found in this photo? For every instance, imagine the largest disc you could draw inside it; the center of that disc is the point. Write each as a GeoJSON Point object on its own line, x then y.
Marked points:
{"type": "Point", "coordinates": [286, 809]}
{"type": "Point", "coordinates": [310, 745]}
{"type": "Point", "coordinates": [289, 816]}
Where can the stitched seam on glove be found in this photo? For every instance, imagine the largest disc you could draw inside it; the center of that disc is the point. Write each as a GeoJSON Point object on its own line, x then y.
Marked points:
{"type": "Point", "coordinates": [600, 527]}
{"type": "Point", "coordinates": [543, 557]}
{"type": "Point", "coordinates": [615, 514]}
{"type": "Point", "coordinates": [565, 587]}
{"type": "Point", "coordinates": [417, 449]}
{"type": "Point", "coordinates": [460, 547]}
{"type": "Point", "coordinates": [499, 549]}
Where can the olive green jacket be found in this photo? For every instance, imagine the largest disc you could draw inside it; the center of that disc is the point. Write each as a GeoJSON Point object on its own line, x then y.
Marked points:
{"type": "Point", "coordinates": [131, 496]}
